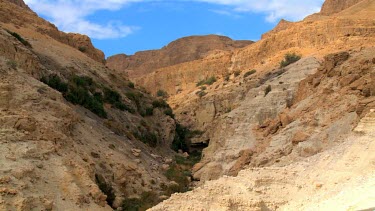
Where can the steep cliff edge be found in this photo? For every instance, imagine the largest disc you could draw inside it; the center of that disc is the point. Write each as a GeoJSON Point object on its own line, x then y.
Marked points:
{"type": "Point", "coordinates": [182, 50]}
{"type": "Point", "coordinates": [317, 35]}
{"type": "Point", "coordinates": [311, 151]}
{"type": "Point", "coordinates": [334, 6]}
{"type": "Point", "coordinates": [74, 134]}
{"type": "Point", "coordinates": [29, 23]}
{"type": "Point", "coordinates": [301, 134]}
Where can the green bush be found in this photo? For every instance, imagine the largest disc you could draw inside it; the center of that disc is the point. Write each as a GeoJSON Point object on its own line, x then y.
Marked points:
{"type": "Point", "coordinates": [147, 200]}
{"type": "Point", "coordinates": [12, 64]}
{"type": "Point", "coordinates": [83, 81]}
{"type": "Point", "coordinates": [180, 139]}
{"type": "Point", "coordinates": [55, 82]}
{"type": "Point", "coordinates": [237, 73]}
{"type": "Point", "coordinates": [169, 112]}
{"type": "Point", "coordinates": [149, 111]}
{"type": "Point", "coordinates": [176, 174]}
{"type": "Point", "coordinates": [209, 81]}
{"type": "Point", "coordinates": [82, 49]}
{"type": "Point", "coordinates": [160, 104]}
{"type": "Point", "coordinates": [161, 93]}
{"type": "Point", "coordinates": [131, 85]}
{"type": "Point", "coordinates": [19, 38]}
{"type": "Point", "coordinates": [135, 97]}
{"type": "Point", "coordinates": [201, 93]}
{"type": "Point", "coordinates": [289, 58]}
{"type": "Point", "coordinates": [147, 137]}
{"type": "Point", "coordinates": [267, 90]}
{"type": "Point", "coordinates": [111, 96]}
{"type": "Point", "coordinates": [80, 95]}
{"type": "Point", "coordinates": [77, 92]}
{"type": "Point", "coordinates": [249, 73]}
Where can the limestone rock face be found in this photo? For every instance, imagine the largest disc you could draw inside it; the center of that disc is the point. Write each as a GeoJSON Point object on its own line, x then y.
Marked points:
{"type": "Point", "coordinates": [179, 51]}
{"type": "Point", "coordinates": [331, 7]}
{"type": "Point", "coordinates": [59, 155]}
{"type": "Point", "coordinates": [18, 14]}
{"type": "Point", "coordinates": [84, 44]}
{"type": "Point", "coordinates": [20, 3]}
{"type": "Point", "coordinates": [317, 35]}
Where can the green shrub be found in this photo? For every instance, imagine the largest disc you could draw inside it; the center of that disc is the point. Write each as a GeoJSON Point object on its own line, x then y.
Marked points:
{"type": "Point", "coordinates": [203, 88]}
{"type": "Point", "coordinates": [289, 58]}
{"type": "Point", "coordinates": [149, 111]}
{"type": "Point", "coordinates": [131, 85]}
{"type": "Point", "coordinates": [55, 82]}
{"type": "Point", "coordinates": [249, 73]}
{"type": "Point", "coordinates": [12, 64]}
{"type": "Point", "coordinates": [267, 90]}
{"type": "Point", "coordinates": [80, 95]}
{"type": "Point", "coordinates": [147, 137]}
{"type": "Point", "coordinates": [147, 200]}
{"type": "Point", "coordinates": [83, 81]}
{"type": "Point", "coordinates": [111, 96]}
{"type": "Point", "coordinates": [180, 139]}
{"type": "Point", "coordinates": [201, 93]}
{"type": "Point", "coordinates": [160, 104]}
{"type": "Point", "coordinates": [176, 174]}
{"type": "Point", "coordinates": [209, 81]}
{"type": "Point", "coordinates": [135, 97]}
{"type": "Point", "coordinates": [82, 49]}
{"type": "Point", "coordinates": [237, 73]}
{"type": "Point", "coordinates": [77, 92]}
{"type": "Point", "coordinates": [169, 112]}
{"type": "Point", "coordinates": [161, 93]}
{"type": "Point", "coordinates": [19, 38]}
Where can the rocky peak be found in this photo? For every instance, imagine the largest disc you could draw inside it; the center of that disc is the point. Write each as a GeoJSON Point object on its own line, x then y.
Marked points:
{"type": "Point", "coordinates": [20, 3]}
{"type": "Point", "coordinates": [331, 7]}
{"type": "Point", "coordinates": [179, 51]}
{"type": "Point", "coordinates": [282, 25]}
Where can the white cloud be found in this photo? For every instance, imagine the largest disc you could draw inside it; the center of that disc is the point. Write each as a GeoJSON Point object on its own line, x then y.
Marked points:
{"type": "Point", "coordinates": [72, 15]}
{"type": "Point", "coordinates": [226, 13]}
{"type": "Point", "coordinates": [274, 9]}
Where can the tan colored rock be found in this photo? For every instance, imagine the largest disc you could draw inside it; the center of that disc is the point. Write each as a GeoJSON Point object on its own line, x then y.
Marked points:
{"type": "Point", "coordinates": [299, 136]}
{"type": "Point", "coordinates": [285, 119]}
{"type": "Point", "coordinates": [331, 7]}
{"type": "Point", "coordinates": [165, 167]}
{"type": "Point", "coordinates": [179, 51]}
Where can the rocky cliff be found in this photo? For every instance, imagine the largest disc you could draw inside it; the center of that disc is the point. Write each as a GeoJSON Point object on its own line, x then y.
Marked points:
{"type": "Point", "coordinates": [316, 35]}
{"type": "Point", "coordinates": [233, 104]}
{"type": "Point", "coordinates": [301, 145]}
{"type": "Point", "coordinates": [334, 6]}
{"type": "Point", "coordinates": [74, 134]}
{"type": "Point", "coordinates": [293, 131]}
{"type": "Point", "coordinates": [29, 22]}
{"type": "Point", "coordinates": [182, 50]}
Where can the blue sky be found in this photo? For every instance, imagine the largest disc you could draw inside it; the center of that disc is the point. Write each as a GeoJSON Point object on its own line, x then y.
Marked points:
{"type": "Point", "coordinates": [128, 26]}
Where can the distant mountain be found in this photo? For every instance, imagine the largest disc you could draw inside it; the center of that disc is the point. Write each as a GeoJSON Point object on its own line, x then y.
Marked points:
{"type": "Point", "coordinates": [182, 50]}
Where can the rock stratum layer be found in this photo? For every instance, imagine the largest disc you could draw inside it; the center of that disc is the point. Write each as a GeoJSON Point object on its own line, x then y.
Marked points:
{"type": "Point", "coordinates": [182, 50]}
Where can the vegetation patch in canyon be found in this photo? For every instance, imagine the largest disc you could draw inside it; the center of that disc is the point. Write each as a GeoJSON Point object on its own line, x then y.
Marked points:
{"type": "Point", "coordinates": [208, 81]}
{"type": "Point", "coordinates": [289, 58]}
{"type": "Point", "coordinates": [19, 38]}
